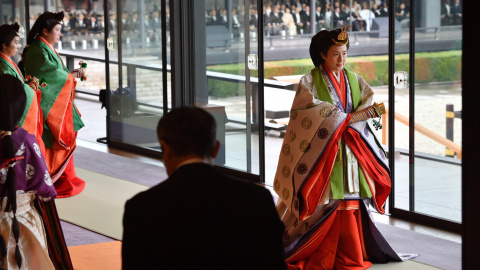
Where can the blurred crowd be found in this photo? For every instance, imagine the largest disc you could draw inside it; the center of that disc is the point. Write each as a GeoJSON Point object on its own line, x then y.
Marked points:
{"type": "Point", "coordinates": [451, 12]}
{"type": "Point", "coordinates": [297, 17]}
{"type": "Point", "coordinates": [289, 17]}
{"type": "Point", "coordinates": [80, 22]}
{"type": "Point", "coordinates": [285, 17]}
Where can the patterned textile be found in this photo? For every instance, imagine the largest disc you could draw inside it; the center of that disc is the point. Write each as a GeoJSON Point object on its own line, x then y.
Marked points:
{"type": "Point", "coordinates": [327, 162]}
{"type": "Point", "coordinates": [32, 173]}
{"type": "Point", "coordinates": [317, 120]}
{"type": "Point", "coordinates": [33, 182]}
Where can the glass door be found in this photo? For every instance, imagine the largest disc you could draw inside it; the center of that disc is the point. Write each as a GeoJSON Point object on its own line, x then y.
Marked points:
{"type": "Point", "coordinates": [226, 62]}
{"type": "Point", "coordinates": [425, 110]}
{"type": "Point", "coordinates": [138, 70]}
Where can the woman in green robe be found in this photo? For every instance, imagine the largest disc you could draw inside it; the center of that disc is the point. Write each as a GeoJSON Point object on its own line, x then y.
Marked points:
{"type": "Point", "coordinates": [61, 118]}
{"type": "Point", "coordinates": [31, 120]}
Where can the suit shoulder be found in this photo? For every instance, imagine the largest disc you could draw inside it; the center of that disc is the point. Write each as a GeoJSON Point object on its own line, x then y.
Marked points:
{"type": "Point", "coordinates": [153, 193]}
{"type": "Point", "coordinates": [250, 188]}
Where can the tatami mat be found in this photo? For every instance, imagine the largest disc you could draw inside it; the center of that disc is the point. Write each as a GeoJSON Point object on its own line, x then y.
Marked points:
{"type": "Point", "coordinates": [408, 265]}
{"type": "Point", "coordinates": [100, 206]}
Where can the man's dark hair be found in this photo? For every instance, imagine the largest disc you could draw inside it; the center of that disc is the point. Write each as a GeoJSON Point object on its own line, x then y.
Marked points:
{"type": "Point", "coordinates": [188, 131]}
{"type": "Point", "coordinates": [321, 43]}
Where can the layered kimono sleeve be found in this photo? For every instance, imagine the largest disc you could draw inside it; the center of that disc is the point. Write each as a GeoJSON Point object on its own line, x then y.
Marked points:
{"type": "Point", "coordinates": [369, 152]}
{"type": "Point", "coordinates": [32, 116]}
{"type": "Point", "coordinates": [60, 116]}
{"type": "Point", "coordinates": [6, 69]}
{"type": "Point", "coordinates": [310, 140]}
{"type": "Point", "coordinates": [366, 92]}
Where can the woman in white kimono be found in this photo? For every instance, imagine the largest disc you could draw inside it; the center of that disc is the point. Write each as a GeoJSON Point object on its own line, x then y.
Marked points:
{"type": "Point", "coordinates": [288, 21]}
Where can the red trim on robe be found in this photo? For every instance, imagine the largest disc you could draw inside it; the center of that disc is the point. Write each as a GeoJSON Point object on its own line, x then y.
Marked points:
{"type": "Point", "coordinates": [337, 243]}
{"type": "Point", "coordinates": [340, 88]}
{"type": "Point", "coordinates": [10, 61]}
{"type": "Point", "coordinates": [371, 169]}
{"type": "Point", "coordinates": [315, 184]}
{"type": "Point", "coordinates": [60, 117]}
{"type": "Point", "coordinates": [33, 122]}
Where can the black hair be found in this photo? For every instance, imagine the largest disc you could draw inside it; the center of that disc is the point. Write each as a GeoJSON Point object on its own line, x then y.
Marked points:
{"type": "Point", "coordinates": [3, 253]}
{"type": "Point", "coordinates": [321, 43]}
{"type": "Point", "coordinates": [47, 20]}
{"type": "Point", "coordinates": [12, 104]}
{"type": "Point", "coordinates": [7, 33]}
{"type": "Point", "coordinates": [188, 131]}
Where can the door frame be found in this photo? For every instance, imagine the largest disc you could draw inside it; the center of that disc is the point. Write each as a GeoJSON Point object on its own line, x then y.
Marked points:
{"type": "Point", "coordinates": [410, 214]}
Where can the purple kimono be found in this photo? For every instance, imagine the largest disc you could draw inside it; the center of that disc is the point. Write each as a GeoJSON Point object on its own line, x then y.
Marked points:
{"type": "Point", "coordinates": [33, 182]}
{"type": "Point", "coordinates": [31, 170]}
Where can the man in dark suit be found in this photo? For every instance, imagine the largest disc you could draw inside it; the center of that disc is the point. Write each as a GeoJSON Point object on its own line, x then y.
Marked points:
{"type": "Point", "coordinates": [305, 18]}
{"type": "Point", "coordinates": [457, 12]}
{"type": "Point", "coordinates": [93, 27]}
{"type": "Point", "coordinates": [199, 218]}
{"type": "Point", "coordinates": [80, 24]}
{"type": "Point", "coordinates": [320, 19]}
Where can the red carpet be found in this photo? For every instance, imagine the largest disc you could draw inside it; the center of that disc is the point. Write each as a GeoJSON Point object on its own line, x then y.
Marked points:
{"type": "Point", "coordinates": [103, 256]}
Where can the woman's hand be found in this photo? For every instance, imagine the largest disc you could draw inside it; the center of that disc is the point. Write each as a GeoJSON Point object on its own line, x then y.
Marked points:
{"type": "Point", "coordinates": [81, 71]}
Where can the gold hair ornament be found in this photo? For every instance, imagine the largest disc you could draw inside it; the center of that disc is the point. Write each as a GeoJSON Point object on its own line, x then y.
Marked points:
{"type": "Point", "coordinates": [343, 36]}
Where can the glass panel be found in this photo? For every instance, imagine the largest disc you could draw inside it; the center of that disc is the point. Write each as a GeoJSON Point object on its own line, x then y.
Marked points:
{"type": "Point", "coordinates": [402, 96]}
{"type": "Point", "coordinates": [137, 88]}
{"type": "Point", "coordinates": [438, 96]}
{"type": "Point", "coordinates": [232, 89]}
{"type": "Point", "coordinates": [82, 31]}
{"type": "Point", "coordinates": [291, 36]}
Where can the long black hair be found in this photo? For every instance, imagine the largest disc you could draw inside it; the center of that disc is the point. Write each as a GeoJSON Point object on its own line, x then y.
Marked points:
{"type": "Point", "coordinates": [7, 33]}
{"type": "Point", "coordinates": [321, 43]}
{"type": "Point", "coordinates": [12, 104]}
{"type": "Point", "coordinates": [47, 20]}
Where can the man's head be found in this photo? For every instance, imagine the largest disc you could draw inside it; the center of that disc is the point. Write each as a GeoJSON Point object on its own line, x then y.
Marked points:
{"type": "Point", "coordinates": [185, 133]}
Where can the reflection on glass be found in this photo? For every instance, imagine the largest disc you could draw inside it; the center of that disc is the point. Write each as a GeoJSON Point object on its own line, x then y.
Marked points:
{"type": "Point", "coordinates": [137, 101]}
{"type": "Point", "coordinates": [135, 67]}
{"type": "Point", "coordinates": [232, 88]}
{"type": "Point", "coordinates": [438, 95]}
{"type": "Point", "coordinates": [289, 28]}
{"type": "Point", "coordinates": [437, 111]}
